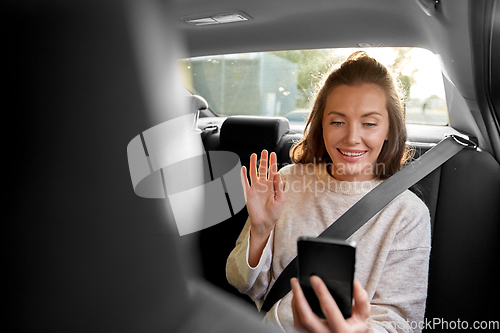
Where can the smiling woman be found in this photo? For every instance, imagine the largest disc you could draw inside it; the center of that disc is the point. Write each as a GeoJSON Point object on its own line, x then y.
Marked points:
{"type": "Point", "coordinates": [357, 111]}
{"type": "Point", "coordinates": [356, 124]}
{"type": "Point", "coordinates": [355, 134]}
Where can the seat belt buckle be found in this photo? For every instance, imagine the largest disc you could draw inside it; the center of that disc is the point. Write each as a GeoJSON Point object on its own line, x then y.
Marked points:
{"type": "Point", "coordinates": [470, 142]}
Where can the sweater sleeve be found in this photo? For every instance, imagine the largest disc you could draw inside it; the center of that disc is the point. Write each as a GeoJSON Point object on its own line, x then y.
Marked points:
{"type": "Point", "coordinates": [251, 281]}
{"type": "Point", "coordinates": [398, 304]}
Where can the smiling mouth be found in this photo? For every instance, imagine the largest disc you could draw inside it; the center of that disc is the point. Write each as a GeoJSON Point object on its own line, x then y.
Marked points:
{"type": "Point", "coordinates": [351, 154]}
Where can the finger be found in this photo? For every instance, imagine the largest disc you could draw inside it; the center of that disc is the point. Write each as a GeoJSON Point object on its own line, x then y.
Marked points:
{"type": "Point", "coordinates": [263, 165]}
{"type": "Point", "coordinates": [361, 306]}
{"type": "Point", "coordinates": [244, 181]}
{"type": "Point", "coordinates": [253, 168]}
{"type": "Point", "coordinates": [273, 165]}
{"type": "Point", "coordinates": [332, 313]}
{"type": "Point", "coordinates": [296, 315]}
{"type": "Point", "coordinates": [278, 187]}
{"type": "Point", "coordinates": [304, 318]}
{"type": "Point", "coordinates": [297, 293]}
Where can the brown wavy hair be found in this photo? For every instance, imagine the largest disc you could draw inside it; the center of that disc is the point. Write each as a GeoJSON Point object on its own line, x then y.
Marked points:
{"type": "Point", "coordinates": [357, 69]}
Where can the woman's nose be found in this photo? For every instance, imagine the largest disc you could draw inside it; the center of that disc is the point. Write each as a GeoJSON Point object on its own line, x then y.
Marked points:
{"type": "Point", "coordinates": [352, 135]}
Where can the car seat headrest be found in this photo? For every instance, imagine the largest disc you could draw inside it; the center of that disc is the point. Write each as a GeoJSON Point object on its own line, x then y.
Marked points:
{"type": "Point", "coordinates": [253, 131]}
{"type": "Point", "coordinates": [197, 103]}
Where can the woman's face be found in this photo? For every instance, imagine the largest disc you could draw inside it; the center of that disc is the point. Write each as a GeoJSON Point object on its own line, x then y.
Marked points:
{"type": "Point", "coordinates": [355, 126]}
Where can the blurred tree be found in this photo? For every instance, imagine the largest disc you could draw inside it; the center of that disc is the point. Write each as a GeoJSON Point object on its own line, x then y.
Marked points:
{"type": "Point", "coordinates": [312, 64]}
{"type": "Point", "coordinates": [403, 70]}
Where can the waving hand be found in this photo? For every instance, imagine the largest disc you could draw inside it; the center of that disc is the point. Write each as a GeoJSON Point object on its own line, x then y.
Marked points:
{"type": "Point", "coordinates": [265, 201]}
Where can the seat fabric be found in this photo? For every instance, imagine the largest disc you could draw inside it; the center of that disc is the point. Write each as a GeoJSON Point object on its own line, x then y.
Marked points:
{"type": "Point", "coordinates": [465, 241]}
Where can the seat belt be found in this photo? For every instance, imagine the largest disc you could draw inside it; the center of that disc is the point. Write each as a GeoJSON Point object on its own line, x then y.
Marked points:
{"type": "Point", "coordinates": [374, 201]}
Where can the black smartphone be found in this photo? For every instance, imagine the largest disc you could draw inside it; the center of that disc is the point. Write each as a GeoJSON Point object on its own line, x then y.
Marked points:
{"type": "Point", "coordinates": [333, 261]}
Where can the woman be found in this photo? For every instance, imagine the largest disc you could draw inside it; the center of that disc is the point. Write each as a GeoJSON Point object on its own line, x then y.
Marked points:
{"type": "Point", "coordinates": [354, 139]}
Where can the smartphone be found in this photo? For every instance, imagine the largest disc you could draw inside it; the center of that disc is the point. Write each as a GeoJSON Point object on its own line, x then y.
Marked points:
{"type": "Point", "coordinates": [333, 261]}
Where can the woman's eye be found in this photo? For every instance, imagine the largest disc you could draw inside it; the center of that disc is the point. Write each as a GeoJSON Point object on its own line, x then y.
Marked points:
{"type": "Point", "coordinates": [336, 123]}
{"type": "Point", "coordinates": [370, 124]}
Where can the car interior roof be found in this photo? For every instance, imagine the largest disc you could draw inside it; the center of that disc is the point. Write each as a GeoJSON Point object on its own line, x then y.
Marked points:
{"type": "Point", "coordinates": [298, 24]}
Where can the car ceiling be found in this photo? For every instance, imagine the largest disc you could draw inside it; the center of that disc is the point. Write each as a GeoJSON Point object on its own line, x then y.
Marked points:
{"type": "Point", "coordinates": [300, 24]}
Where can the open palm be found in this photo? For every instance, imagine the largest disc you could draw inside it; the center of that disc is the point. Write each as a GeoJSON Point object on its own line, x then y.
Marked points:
{"type": "Point", "coordinates": [264, 198]}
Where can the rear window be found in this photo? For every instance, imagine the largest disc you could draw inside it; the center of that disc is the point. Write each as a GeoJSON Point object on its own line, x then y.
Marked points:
{"type": "Point", "coordinates": [281, 83]}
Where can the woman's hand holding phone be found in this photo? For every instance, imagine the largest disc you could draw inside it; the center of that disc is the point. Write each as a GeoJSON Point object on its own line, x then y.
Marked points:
{"type": "Point", "coordinates": [305, 320]}
{"type": "Point", "coordinates": [265, 201]}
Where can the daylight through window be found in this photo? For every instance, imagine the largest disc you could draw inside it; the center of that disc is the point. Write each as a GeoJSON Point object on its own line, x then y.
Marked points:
{"type": "Point", "coordinates": [281, 83]}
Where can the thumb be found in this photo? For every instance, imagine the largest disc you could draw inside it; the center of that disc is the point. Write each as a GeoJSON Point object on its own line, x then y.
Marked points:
{"type": "Point", "coordinates": [361, 306]}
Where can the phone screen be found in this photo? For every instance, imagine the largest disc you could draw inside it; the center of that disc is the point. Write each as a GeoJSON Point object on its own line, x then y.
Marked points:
{"type": "Point", "coordinates": [333, 261]}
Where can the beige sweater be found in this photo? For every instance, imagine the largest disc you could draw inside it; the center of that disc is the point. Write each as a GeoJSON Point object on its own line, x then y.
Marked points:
{"type": "Point", "coordinates": [392, 256]}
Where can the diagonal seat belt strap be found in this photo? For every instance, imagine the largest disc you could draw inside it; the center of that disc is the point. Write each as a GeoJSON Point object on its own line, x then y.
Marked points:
{"type": "Point", "coordinates": [389, 189]}
{"type": "Point", "coordinates": [369, 205]}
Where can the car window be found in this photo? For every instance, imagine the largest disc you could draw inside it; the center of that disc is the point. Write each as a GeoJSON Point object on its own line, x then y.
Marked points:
{"type": "Point", "coordinates": [282, 83]}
